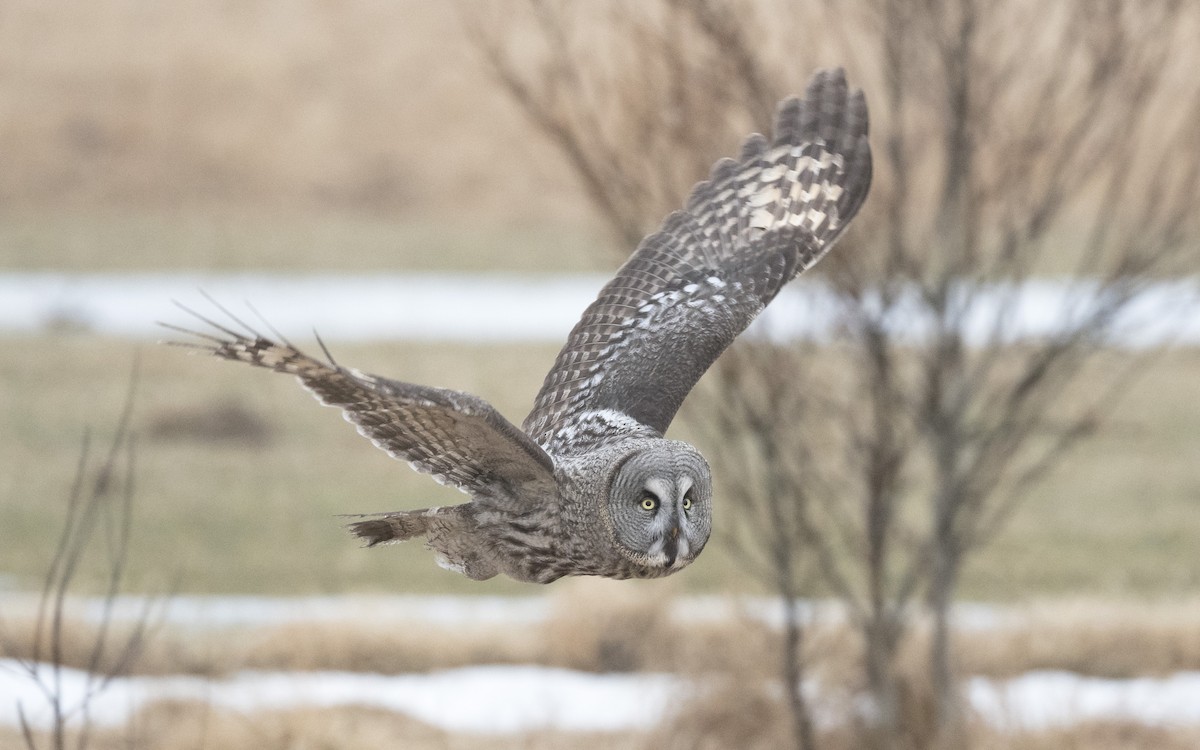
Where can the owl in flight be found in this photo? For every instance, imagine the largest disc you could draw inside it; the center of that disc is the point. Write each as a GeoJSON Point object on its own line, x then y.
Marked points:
{"type": "Point", "coordinates": [588, 485]}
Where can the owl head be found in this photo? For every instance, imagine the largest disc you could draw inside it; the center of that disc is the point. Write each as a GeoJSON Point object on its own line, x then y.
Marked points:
{"type": "Point", "coordinates": [660, 503]}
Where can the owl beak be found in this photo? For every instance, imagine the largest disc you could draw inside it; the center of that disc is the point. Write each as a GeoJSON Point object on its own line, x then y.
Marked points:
{"type": "Point", "coordinates": [671, 547]}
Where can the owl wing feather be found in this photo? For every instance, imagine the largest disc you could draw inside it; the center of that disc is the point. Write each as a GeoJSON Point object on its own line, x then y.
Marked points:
{"type": "Point", "coordinates": [689, 289]}
{"type": "Point", "coordinates": [458, 438]}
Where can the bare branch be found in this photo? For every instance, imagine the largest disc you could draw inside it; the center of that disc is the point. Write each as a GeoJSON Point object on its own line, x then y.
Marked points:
{"type": "Point", "coordinates": [1003, 158]}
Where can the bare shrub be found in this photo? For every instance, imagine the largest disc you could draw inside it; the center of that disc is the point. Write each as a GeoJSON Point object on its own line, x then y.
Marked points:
{"type": "Point", "coordinates": [1014, 139]}
{"type": "Point", "coordinates": [100, 502]}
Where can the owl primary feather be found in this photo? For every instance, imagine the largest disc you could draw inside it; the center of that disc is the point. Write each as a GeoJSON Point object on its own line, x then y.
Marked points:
{"type": "Point", "coordinates": [589, 485]}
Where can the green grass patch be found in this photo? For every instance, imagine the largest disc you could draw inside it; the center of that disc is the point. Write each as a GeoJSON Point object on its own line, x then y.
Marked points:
{"type": "Point", "coordinates": [1120, 515]}
{"type": "Point", "coordinates": [250, 506]}
{"type": "Point", "coordinates": [240, 477]}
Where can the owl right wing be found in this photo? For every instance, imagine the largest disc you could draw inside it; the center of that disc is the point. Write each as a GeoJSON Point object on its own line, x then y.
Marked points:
{"type": "Point", "coordinates": [689, 289]}
{"type": "Point", "coordinates": [458, 438]}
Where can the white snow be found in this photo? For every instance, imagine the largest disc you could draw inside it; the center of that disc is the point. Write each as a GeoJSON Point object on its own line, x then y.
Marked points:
{"type": "Point", "coordinates": [234, 611]}
{"type": "Point", "coordinates": [542, 308]}
{"type": "Point", "coordinates": [1044, 700]}
{"type": "Point", "coordinates": [506, 699]}
{"type": "Point", "coordinates": [418, 306]}
{"type": "Point", "coordinates": [476, 699]}
{"type": "Point", "coordinates": [1162, 313]}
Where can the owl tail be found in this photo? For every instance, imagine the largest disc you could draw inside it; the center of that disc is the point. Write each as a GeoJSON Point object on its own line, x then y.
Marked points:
{"type": "Point", "coordinates": [388, 528]}
{"type": "Point", "coordinates": [451, 532]}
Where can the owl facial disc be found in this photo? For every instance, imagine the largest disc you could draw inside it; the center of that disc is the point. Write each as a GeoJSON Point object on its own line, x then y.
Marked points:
{"type": "Point", "coordinates": [660, 506]}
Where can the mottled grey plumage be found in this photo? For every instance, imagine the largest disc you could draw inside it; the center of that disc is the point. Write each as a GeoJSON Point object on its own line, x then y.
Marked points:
{"type": "Point", "coordinates": [590, 486]}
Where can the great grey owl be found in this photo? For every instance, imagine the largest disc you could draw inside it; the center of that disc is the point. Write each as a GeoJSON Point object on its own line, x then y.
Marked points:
{"type": "Point", "coordinates": [588, 485]}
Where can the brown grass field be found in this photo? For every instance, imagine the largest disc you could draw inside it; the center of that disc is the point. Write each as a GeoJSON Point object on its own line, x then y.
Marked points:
{"type": "Point", "coordinates": [603, 626]}
{"type": "Point", "coordinates": [291, 136]}
{"type": "Point", "coordinates": [365, 136]}
{"type": "Point", "coordinates": [370, 106]}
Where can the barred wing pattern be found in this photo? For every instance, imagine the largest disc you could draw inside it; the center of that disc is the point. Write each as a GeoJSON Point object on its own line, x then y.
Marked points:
{"type": "Point", "coordinates": [460, 439]}
{"type": "Point", "coordinates": [693, 286]}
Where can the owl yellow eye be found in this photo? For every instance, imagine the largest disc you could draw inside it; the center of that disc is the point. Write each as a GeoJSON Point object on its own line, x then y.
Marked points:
{"type": "Point", "coordinates": [687, 501]}
{"type": "Point", "coordinates": [649, 502]}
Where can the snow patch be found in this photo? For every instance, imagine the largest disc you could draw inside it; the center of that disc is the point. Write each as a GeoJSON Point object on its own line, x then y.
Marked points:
{"type": "Point", "coordinates": [1046, 700]}
{"type": "Point", "coordinates": [446, 307]}
{"type": "Point", "coordinates": [507, 699]}
{"type": "Point", "coordinates": [478, 699]}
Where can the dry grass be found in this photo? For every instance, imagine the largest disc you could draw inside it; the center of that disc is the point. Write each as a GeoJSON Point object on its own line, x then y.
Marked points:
{"type": "Point", "coordinates": [369, 107]}
{"type": "Point", "coordinates": [600, 627]}
{"type": "Point", "coordinates": [385, 648]}
{"type": "Point", "coordinates": [1096, 736]}
{"type": "Point", "coordinates": [603, 626]}
{"type": "Point", "coordinates": [1103, 639]}
{"type": "Point", "coordinates": [272, 135]}
{"type": "Point", "coordinates": [291, 135]}
{"type": "Point", "coordinates": [595, 626]}
{"type": "Point", "coordinates": [204, 238]}
{"type": "Point", "coordinates": [733, 713]}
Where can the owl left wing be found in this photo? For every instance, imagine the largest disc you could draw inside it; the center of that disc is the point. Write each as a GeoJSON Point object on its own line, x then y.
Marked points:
{"type": "Point", "coordinates": [689, 289]}
{"type": "Point", "coordinates": [458, 438]}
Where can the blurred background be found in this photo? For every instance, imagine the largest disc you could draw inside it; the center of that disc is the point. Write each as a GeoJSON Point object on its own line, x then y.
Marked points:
{"type": "Point", "coordinates": [962, 511]}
